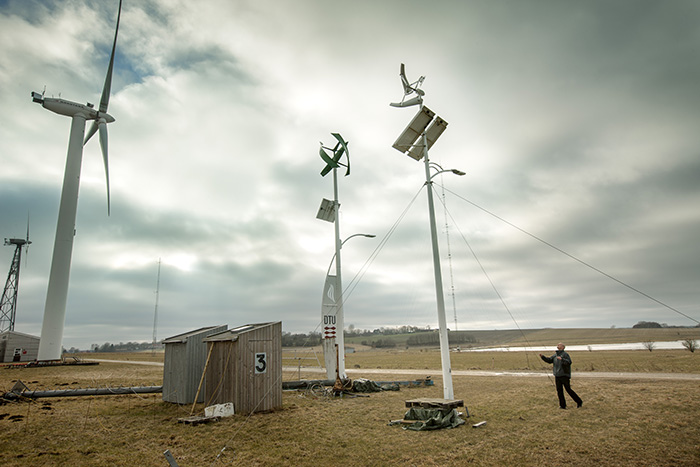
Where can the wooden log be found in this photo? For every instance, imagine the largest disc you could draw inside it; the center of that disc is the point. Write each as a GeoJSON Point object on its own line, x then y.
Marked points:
{"type": "Point", "coordinates": [196, 420]}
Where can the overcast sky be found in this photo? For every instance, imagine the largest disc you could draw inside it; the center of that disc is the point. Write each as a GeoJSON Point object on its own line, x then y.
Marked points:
{"type": "Point", "coordinates": [577, 122]}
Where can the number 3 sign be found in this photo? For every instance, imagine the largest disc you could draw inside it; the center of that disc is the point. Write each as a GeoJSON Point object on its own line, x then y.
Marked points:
{"type": "Point", "coordinates": [260, 363]}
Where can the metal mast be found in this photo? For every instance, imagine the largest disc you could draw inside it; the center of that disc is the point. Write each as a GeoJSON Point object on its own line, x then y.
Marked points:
{"type": "Point", "coordinates": [8, 304]}
{"type": "Point", "coordinates": [415, 141]}
{"type": "Point", "coordinates": [449, 258]}
{"type": "Point", "coordinates": [155, 313]}
{"type": "Point", "coordinates": [332, 302]}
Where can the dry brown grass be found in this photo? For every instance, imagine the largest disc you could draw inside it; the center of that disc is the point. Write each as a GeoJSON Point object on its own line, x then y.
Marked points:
{"type": "Point", "coordinates": [657, 361]}
{"type": "Point", "coordinates": [622, 422]}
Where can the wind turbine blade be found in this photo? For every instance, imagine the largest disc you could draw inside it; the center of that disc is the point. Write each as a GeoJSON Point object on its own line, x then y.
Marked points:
{"type": "Point", "coordinates": [91, 132]}
{"type": "Point", "coordinates": [406, 87]}
{"type": "Point", "coordinates": [330, 163]}
{"type": "Point", "coordinates": [104, 100]}
{"type": "Point", "coordinates": [415, 101]}
{"type": "Point", "coordinates": [28, 242]}
{"type": "Point", "coordinates": [103, 146]}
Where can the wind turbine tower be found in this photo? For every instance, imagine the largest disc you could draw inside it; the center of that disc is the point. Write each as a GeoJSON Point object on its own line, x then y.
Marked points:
{"type": "Point", "coordinates": [55, 308]}
{"type": "Point", "coordinates": [8, 303]}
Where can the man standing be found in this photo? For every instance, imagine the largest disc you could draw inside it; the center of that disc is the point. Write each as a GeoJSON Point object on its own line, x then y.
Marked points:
{"type": "Point", "coordinates": [562, 375]}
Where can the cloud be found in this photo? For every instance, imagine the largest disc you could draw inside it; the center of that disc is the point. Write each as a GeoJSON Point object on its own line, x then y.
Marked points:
{"type": "Point", "coordinates": [575, 123]}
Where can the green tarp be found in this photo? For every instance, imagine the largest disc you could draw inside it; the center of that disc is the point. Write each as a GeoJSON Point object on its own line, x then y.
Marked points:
{"type": "Point", "coordinates": [432, 419]}
{"type": "Point", "coordinates": [366, 385]}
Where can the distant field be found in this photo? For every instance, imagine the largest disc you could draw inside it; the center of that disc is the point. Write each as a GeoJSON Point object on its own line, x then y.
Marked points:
{"type": "Point", "coordinates": [657, 361]}
{"type": "Point", "coordinates": [623, 422]}
{"type": "Point", "coordinates": [638, 361]}
{"type": "Point", "coordinates": [574, 336]}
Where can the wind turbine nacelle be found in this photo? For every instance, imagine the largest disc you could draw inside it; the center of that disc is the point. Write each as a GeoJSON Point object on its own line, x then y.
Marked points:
{"type": "Point", "coordinates": [16, 241]}
{"type": "Point", "coordinates": [67, 108]}
{"type": "Point", "coordinates": [71, 109]}
{"type": "Point", "coordinates": [37, 97]}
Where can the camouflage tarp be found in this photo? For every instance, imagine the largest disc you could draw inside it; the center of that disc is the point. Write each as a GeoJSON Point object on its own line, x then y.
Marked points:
{"type": "Point", "coordinates": [432, 419]}
{"type": "Point", "coordinates": [365, 385]}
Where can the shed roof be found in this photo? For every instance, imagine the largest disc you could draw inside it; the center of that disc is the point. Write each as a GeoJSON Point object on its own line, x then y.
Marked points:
{"type": "Point", "coordinates": [180, 338]}
{"type": "Point", "coordinates": [7, 334]}
{"type": "Point", "coordinates": [232, 334]}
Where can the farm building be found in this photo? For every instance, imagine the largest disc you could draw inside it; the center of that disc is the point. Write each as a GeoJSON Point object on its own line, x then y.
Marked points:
{"type": "Point", "coordinates": [18, 347]}
{"type": "Point", "coordinates": [245, 367]}
{"type": "Point", "coordinates": [185, 358]}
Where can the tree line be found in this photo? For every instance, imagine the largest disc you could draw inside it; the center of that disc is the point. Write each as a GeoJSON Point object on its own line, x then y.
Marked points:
{"type": "Point", "coordinates": [381, 338]}
{"type": "Point", "coordinates": [120, 347]}
{"type": "Point", "coordinates": [655, 325]}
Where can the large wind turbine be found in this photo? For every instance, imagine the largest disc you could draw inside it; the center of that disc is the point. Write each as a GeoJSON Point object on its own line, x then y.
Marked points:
{"type": "Point", "coordinates": [55, 308]}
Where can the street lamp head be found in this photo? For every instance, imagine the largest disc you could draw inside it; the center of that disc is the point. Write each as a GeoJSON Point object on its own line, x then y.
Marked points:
{"type": "Point", "coordinates": [357, 235]}
{"type": "Point", "coordinates": [343, 243]}
{"type": "Point", "coordinates": [439, 170]}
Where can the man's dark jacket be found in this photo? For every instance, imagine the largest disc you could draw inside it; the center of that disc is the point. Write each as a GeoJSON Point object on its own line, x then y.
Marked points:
{"type": "Point", "coordinates": [561, 367]}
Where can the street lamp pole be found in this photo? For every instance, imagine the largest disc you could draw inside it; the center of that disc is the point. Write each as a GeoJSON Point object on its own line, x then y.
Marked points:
{"type": "Point", "coordinates": [332, 317]}
{"type": "Point", "coordinates": [332, 356]}
{"type": "Point", "coordinates": [340, 320]}
{"type": "Point", "coordinates": [343, 243]}
{"type": "Point", "coordinates": [420, 134]}
{"type": "Point", "coordinates": [447, 387]}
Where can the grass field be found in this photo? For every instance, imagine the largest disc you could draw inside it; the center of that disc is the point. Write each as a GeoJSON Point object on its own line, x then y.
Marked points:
{"type": "Point", "coordinates": [624, 422]}
{"type": "Point", "coordinates": [658, 361]}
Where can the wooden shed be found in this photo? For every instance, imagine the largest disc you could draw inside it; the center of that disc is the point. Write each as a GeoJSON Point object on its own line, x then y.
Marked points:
{"type": "Point", "coordinates": [185, 357]}
{"type": "Point", "coordinates": [18, 347]}
{"type": "Point", "coordinates": [245, 368]}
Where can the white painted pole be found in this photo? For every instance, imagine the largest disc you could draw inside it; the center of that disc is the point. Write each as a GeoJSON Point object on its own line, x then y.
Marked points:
{"type": "Point", "coordinates": [50, 345]}
{"type": "Point", "coordinates": [340, 326]}
{"type": "Point", "coordinates": [328, 320]}
{"type": "Point", "coordinates": [448, 391]}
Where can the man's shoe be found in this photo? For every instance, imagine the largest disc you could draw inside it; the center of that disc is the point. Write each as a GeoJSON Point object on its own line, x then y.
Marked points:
{"type": "Point", "coordinates": [578, 406]}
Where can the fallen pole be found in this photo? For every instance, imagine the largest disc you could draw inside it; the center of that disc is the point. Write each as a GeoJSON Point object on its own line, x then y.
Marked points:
{"type": "Point", "coordinates": [305, 384]}
{"type": "Point", "coordinates": [17, 394]}
{"type": "Point", "coordinates": [413, 383]}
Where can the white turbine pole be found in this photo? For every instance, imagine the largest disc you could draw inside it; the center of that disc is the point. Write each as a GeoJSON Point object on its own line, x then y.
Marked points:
{"type": "Point", "coordinates": [448, 391]}
{"type": "Point", "coordinates": [55, 308]}
{"type": "Point", "coordinates": [50, 345]}
{"type": "Point", "coordinates": [340, 336]}
{"type": "Point", "coordinates": [332, 300]}
{"type": "Point", "coordinates": [428, 128]}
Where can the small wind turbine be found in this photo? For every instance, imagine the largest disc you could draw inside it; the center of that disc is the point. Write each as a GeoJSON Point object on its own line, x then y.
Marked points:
{"type": "Point", "coordinates": [55, 309]}
{"type": "Point", "coordinates": [408, 89]}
